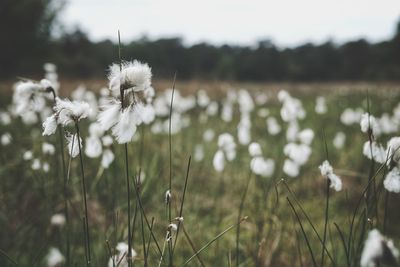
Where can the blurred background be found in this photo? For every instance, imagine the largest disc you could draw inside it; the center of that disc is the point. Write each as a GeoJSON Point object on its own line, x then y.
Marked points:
{"type": "Point", "coordinates": [205, 40]}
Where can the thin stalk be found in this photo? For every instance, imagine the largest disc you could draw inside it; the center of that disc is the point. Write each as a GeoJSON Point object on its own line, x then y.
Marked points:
{"type": "Point", "coordinates": [326, 221]}
{"type": "Point", "coordinates": [189, 240]}
{"type": "Point", "coordinates": [239, 216]}
{"type": "Point", "coordinates": [5, 255]}
{"type": "Point", "coordinates": [213, 240]}
{"type": "Point", "coordinates": [308, 219]}
{"type": "Point", "coordinates": [344, 244]}
{"type": "Point", "coordinates": [170, 171]}
{"type": "Point", "coordinates": [386, 215]}
{"type": "Point", "coordinates": [88, 263]}
{"type": "Point", "coordinates": [182, 202]}
{"type": "Point", "coordinates": [65, 189]}
{"type": "Point", "coordinates": [304, 233]}
{"type": "Point", "coordinates": [129, 256]}
{"type": "Point", "coordinates": [148, 243]}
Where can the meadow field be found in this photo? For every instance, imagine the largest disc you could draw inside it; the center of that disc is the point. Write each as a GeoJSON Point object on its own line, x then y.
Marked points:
{"type": "Point", "coordinates": [206, 173]}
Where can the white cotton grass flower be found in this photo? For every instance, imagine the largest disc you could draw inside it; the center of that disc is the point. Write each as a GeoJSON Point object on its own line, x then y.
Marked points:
{"type": "Point", "coordinates": [93, 147]}
{"type": "Point", "coordinates": [46, 167]}
{"type": "Point", "coordinates": [378, 250]}
{"type": "Point", "coordinates": [379, 154]}
{"type": "Point", "coordinates": [202, 98]}
{"type": "Point", "coordinates": [299, 153]}
{"type": "Point", "coordinates": [351, 116]}
{"type": "Point", "coordinates": [369, 123]}
{"type": "Point", "coordinates": [68, 111]}
{"type": "Point", "coordinates": [72, 144]}
{"type": "Point", "coordinates": [212, 109]}
{"type": "Point", "coordinates": [5, 118]}
{"type": "Point", "coordinates": [49, 125]}
{"type": "Point", "coordinates": [198, 152]}
{"type": "Point", "coordinates": [173, 227]}
{"type": "Point", "coordinates": [48, 149]}
{"type": "Point", "coordinates": [28, 155]}
{"type": "Point", "coordinates": [219, 161]}
{"type": "Point", "coordinates": [167, 196]}
{"type": "Point", "coordinates": [6, 139]}
{"type": "Point", "coordinates": [262, 167]}
{"type": "Point", "coordinates": [392, 180]}
{"type": "Point", "coordinates": [123, 118]}
{"type": "Point", "coordinates": [339, 140]}
{"type": "Point", "coordinates": [291, 168]}
{"type": "Point", "coordinates": [54, 258]}
{"type": "Point", "coordinates": [107, 158]}
{"type": "Point", "coordinates": [135, 76]}
{"type": "Point", "coordinates": [306, 136]}
{"type": "Point", "coordinates": [226, 143]}
{"type": "Point", "coordinates": [393, 150]}
{"type": "Point", "coordinates": [125, 128]}
{"type": "Point", "coordinates": [36, 164]}
{"type": "Point", "coordinates": [272, 126]}
{"type": "Point", "coordinates": [208, 135]}
{"type": "Point", "coordinates": [255, 149]}
{"type": "Point", "coordinates": [320, 106]}
{"type": "Point", "coordinates": [58, 219]}
{"type": "Point", "coordinates": [327, 171]}
{"type": "Point", "coordinates": [122, 256]}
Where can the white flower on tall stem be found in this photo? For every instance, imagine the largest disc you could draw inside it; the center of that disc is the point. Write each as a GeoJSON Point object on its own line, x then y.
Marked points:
{"type": "Point", "coordinates": [65, 113]}
{"type": "Point", "coordinates": [121, 257]}
{"type": "Point", "coordinates": [327, 171]}
{"type": "Point", "coordinates": [133, 83]}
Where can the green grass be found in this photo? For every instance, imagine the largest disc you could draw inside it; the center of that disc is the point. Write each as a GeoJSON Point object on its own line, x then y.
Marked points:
{"type": "Point", "coordinates": [271, 236]}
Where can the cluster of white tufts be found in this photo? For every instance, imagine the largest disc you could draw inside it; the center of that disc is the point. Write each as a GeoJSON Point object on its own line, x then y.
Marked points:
{"type": "Point", "coordinates": [122, 114]}
{"type": "Point", "coordinates": [320, 105]}
{"type": "Point", "coordinates": [298, 149]}
{"type": "Point", "coordinates": [258, 164]}
{"type": "Point", "coordinates": [226, 151]}
{"type": "Point", "coordinates": [327, 171]}
{"type": "Point", "coordinates": [30, 99]}
{"type": "Point", "coordinates": [378, 250]}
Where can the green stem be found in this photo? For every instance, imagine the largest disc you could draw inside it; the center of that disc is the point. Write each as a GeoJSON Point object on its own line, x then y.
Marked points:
{"type": "Point", "coordinates": [88, 263]}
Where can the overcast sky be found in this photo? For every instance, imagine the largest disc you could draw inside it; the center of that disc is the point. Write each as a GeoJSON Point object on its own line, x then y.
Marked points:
{"type": "Point", "coordinates": [285, 22]}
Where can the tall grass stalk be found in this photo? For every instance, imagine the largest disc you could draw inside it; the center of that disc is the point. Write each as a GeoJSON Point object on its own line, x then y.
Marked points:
{"type": "Point", "coordinates": [65, 187]}
{"type": "Point", "coordinates": [86, 218]}
{"type": "Point", "coordinates": [213, 240]}
{"type": "Point", "coordinates": [241, 206]}
{"type": "Point", "coordinates": [327, 204]}
{"type": "Point", "coordinates": [129, 255]}
{"type": "Point", "coordinates": [303, 231]}
{"type": "Point", "coordinates": [182, 202]}
{"type": "Point", "coordinates": [170, 248]}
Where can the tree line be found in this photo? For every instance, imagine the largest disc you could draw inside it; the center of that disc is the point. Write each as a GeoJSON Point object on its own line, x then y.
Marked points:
{"type": "Point", "coordinates": [28, 42]}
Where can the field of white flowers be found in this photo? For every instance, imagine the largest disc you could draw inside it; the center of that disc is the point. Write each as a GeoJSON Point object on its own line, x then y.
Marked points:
{"type": "Point", "coordinates": [131, 175]}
